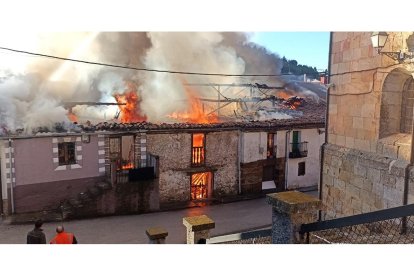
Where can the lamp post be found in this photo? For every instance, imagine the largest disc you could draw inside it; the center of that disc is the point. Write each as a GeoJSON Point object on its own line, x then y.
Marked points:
{"type": "Point", "coordinates": [379, 39]}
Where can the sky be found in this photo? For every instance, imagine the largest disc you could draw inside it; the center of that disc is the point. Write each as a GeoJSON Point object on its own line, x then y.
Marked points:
{"type": "Point", "coordinates": [307, 48]}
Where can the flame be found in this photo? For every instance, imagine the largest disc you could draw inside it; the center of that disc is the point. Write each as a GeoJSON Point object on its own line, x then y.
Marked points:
{"type": "Point", "coordinates": [195, 112]}
{"type": "Point", "coordinates": [130, 112]}
{"type": "Point", "coordinates": [198, 140]}
{"type": "Point", "coordinates": [197, 153]}
{"type": "Point", "coordinates": [72, 117]}
{"type": "Point", "coordinates": [283, 95]}
{"type": "Point", "coordinates": [127, 166]}
{"type": "Point", "coordinates": [199, 185]}
{"type": "Point", "coordinates": [290, 101]}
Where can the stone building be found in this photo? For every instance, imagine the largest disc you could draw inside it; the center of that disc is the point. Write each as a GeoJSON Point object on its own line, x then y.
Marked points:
{"type": "Point", "coordinates": [113, 168]}
{"type": "Point", "coordinates": [367, 162]}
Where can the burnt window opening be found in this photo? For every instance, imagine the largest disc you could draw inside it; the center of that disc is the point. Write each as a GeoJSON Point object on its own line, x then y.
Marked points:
{"type": "Point", "coordinates": [301, 168]}
{"type": "Point", "coordinates": [66, 153]}
{"type": "Point", "coordinates": [201, 185]}
{"type": "Point", "coordinates": [122, 152]}
{"type": "Point", "coordinates": [271, 149]}
{"type": "Point", "coordinates": [198, 149]}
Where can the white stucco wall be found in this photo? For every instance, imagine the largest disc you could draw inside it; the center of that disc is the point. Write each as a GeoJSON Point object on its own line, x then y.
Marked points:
{"type": "Point", "coordinates": [3, 171]}
{"type": "Point", "coordinates": [280, 143]}
{"type": "Point", "coordinates": [312, 161]}
{"type": "Point", "coordinates": [254, 146]}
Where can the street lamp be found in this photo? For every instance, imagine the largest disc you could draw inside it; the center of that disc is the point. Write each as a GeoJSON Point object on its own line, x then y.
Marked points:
{"type": "Point", "coordinates": [379, 39]}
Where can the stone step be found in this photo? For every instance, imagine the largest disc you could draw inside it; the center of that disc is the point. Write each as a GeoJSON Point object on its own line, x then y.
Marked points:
{"type": "Point", "coordinates": [94, 191]}
{"type": "Point", "coordinates": [75, 202]}
{"type": "Point", "coordinates": [84, 197]}
{"type": "Point", "coordinates": [104, 185]}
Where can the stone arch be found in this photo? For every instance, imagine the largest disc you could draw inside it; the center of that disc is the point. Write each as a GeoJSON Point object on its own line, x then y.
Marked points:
{"type": "Point", "coordinates": [396, 105]}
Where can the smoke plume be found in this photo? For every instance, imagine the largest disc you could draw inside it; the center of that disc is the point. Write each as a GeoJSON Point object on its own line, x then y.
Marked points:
{"type": "Point", "coordinates": [34, 90]}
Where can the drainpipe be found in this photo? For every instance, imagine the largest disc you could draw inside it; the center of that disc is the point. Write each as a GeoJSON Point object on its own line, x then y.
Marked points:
{"type": "Point", "coordinates": [321, 157]}
{"type": "Point", "coordinates": [11, 177]}
{"type": "Point", "coordinates": [287, 139]}
{"type": "Point", "coordinates": [239, 159]}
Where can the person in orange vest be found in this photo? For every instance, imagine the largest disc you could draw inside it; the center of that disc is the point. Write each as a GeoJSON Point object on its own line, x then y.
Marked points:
{"type": "Point", "coordinates": [63, 237]}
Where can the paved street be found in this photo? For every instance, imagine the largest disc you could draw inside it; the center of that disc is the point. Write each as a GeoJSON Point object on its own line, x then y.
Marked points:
{"type": "Point", "coordinates": [230, 218]}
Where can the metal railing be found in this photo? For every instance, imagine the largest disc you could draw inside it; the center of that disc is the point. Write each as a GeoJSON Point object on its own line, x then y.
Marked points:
{"type": "Point", "coordinates": [298, 150]}
{"type": "Point", "coordinates": [389, 226]}
{"type": "Point", "coordinates": [149, 167]}
{"type": "Point", "coordinates": [197, 156]}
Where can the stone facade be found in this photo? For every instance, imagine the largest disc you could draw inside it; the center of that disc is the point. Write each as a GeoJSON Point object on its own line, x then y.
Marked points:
{"type": "Point", "coordinates": [355, 182]}
{"type": "Point", "coordinates": [174, 152]}
{"type": "Point", "coordinates": [289, 211]}
{"type": "Point", "coordinates": [369, 140]}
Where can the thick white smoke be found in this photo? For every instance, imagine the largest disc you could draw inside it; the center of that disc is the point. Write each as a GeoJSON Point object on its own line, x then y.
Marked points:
{"type": "Point", "coordinates": [192, 52]}
{"type": "Point", "coordinates": [34, 90]}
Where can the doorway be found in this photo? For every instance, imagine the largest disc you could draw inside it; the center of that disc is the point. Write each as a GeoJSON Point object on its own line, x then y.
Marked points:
{"type": "Point", "coordinates": [201, 185]}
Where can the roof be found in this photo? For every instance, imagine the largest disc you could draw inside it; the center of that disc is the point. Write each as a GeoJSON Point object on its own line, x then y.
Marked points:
{"type": "Point", "coordinates": [309, 115]}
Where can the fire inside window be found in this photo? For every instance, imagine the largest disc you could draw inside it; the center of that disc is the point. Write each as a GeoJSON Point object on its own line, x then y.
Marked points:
{"type": "Point", "coordinates": [121, 151]}
{"type": "Point", "coordinates": [66, 152]}
{"type": "Point", "coordinates": [271, 145]}
{"type": "Point", "coordinates": [200, 183]}
{"type": "Point", "coordinates": [198, 149]}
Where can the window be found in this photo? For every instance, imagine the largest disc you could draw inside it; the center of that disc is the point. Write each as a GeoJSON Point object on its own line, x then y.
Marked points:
{"type": "Point", "coordinates": [301, 168]}
{"type": "Point", "coordinates": [198, 149]}
{"type": "Point", "coordinates": [66, 153]}
{"type": "Point", "coordinates": [271, 145]}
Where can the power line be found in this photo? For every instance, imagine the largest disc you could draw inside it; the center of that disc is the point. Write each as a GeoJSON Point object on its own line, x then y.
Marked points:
{"type": "Point", "coordinates": [135, 68]}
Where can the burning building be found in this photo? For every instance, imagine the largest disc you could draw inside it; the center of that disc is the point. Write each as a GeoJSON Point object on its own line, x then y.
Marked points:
{"type": "Point", "coordinates": [79, 140]}
{"type": "Point", "coordinates": [116, 168]}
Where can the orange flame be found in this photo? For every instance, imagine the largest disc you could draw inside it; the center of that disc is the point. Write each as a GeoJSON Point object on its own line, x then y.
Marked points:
{"type": "Point", "coordinates": [127, 166]}
{"type": "Point", "coordinates": [195, 112]}
{"type": "Point", "coordinates": [283, 95]}
{"type": "Point", "coordinates": [291, 101]}
{"type": "Point", "coordinates": [130, 112]}
{"type": "Point", "coordinates": [72, 117]}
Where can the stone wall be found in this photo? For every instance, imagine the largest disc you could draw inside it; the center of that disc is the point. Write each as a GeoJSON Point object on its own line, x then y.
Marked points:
{"type": "Point", "coordinates": [222, 153]}
{"type": "Point", "coordinates": [368, 147]}
{"type": "Point", "coordinates": [355, 97]}
{"type": "Point", "coordinates": [252, 175]}
{"type": "Point", "coordinates": [357, 182]}
{"type": "Point", "coordinates": [48, 195]}
{"type": "Point", "coordinates": [174, 151]}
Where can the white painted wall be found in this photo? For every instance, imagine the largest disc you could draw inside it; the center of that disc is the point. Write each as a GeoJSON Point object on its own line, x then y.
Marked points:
{"type": "Point", "coordinates": [280, 143]}
{"type": "Point", "coordinates": [254, 146]}
{"type": "Point", "coordinates": [3, 170]}
{"type": "Point", "coordinates": [312, 161]}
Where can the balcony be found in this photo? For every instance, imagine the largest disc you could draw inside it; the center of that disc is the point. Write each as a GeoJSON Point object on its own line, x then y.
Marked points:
{"type": "Point", "coordinates": [139, 171]}
{"type": "Point", "coordinates": [298, 150]}
{"type": "Point", "coordinates": [197, 156]}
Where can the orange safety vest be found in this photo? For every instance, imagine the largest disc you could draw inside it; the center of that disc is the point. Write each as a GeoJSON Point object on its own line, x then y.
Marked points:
{"type": "Point", "coordinates": [62, 238]}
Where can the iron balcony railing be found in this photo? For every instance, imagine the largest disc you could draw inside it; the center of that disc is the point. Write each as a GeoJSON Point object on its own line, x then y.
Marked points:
{"type": "Point", "coordinates": [197, 156]}
{"type": "Point", "coordinates": [298, 150]}
{"type": "Point", "coordinates": [142, 171]}
{"type": "Point", "coordinates": [389, 226]}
